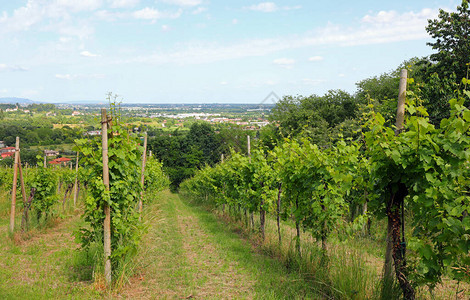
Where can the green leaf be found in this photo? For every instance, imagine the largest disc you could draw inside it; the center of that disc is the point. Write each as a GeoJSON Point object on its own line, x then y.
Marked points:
{"type": "Point", "coordinates": [426, 251]}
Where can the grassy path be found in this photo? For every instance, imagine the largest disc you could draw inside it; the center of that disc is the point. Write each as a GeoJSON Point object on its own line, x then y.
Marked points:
{"type": "Point", "coordinates": [188, 253]}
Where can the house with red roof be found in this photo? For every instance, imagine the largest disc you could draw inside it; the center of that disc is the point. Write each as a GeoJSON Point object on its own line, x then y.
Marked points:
{"type": "Point", "coordinates": [7, 152]}
{"type": "Point", "coordinates": [60, 160]}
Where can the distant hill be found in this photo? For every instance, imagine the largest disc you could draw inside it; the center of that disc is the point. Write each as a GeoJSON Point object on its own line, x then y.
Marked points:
{"type": "Point", "coordinates": [13, 100]}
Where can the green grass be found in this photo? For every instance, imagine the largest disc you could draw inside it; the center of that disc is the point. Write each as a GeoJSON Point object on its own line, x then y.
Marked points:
{"type": "Point", "coordinates": [38, 265]}
{"type": "Point", "coordinates": [355, 264]}
{"type": "Point", "coordinates": [189, 252]}
{"type": "Point", "coordinates": [271, 277]}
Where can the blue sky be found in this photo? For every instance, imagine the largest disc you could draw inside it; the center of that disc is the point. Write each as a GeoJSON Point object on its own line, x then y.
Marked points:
{"type": "Point", "coordinates": [201, 51]}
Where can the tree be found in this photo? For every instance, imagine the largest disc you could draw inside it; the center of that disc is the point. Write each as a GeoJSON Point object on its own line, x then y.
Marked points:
{"type": "Point", "coordinates": [319, 117]}
{"type": "Point", "coordinates": [442, 72]}
{"type": "Point", "coordinates": [452, 41]}
{"type": "Point", "coordinates": [202, 136]}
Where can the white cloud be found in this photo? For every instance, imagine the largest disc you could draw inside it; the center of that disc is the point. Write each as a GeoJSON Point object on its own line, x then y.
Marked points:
{"type": "Point", "coordinates": [223, 83]}
{"type": "Point", "coordinates": [166, 28]}
{"type": "Point", "coordinates": [81, 5]}
{"type": "Point", "coordinates": [198, 53]}
{"type": "Point", "coordinates": [88, 54]}
{"type": "Point", "coordinates": [341, 75]}
{"type": "Point", "coordinates": [154, 14]}
{"type": "Point", "coordinates": [315, 58]}
{"type": "Point", "coordinates": [362, 33]}
{"type": "Point", "coordinates": [183, 2]}
{"type": "Point", "coordinates": [314, 82]}
{"type": "Point", "coordinates": [81, 31]}
{"type": "Point", "coordinates": [284, 62]}
{"type": "Point", "coordinates": [110, 16]}
{"type": "Point", "coordinates": [264, 7]}
{"type": "Point", "coordinates": [64, 76]}
{"type": "Point", "coordinates": [199, 10]}
{"type": "Point", "coordinates": [123, 3]}
{"type": "Point", "coordinates": [79, 76]}
{"type": "Point", "coordinates": [10, 68]}
{"type": "Point", "coordinates": [373, 29]}
{"type": "Point", "coordinates": [235, 21]}
{"type": "Point", "coordinates": [46, 15]}
{"type": "Point", "coordinates": [147, 13]}
{"type": "Point", "coordinates": [3, 91]}
{"type": "Point", "coordinates": [268, 7]}
{"type": "Point", "coordinates": [22, 18]}
{"type": "Point", "coordinates": [380, 17]}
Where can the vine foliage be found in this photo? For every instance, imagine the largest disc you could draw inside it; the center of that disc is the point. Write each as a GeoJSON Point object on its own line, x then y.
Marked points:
{"type": "Point", "coordinates": [124, 167]}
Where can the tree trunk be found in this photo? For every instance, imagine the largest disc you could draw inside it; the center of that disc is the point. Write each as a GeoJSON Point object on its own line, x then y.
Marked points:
{"type": "Point", "coordinates": [324, 235]}
{"type": "Point", "coordinates": [398, 244]}
{"type": "Point", "coordinates": [262, 219]}
{"type": "Point", "coordinates": [68, 190]}
{"type": "Point", "coordinates": [23, 189]}
{"type": "Point", "coordinates": [366, 227]}
{"type": "Point", "coordinates": [78, 189]}
{"type": "Point", "coordinates": [27, 207]}
{"type": "Point", "coordinates": [247, 223]}
{"type": "Point", "coordinates": [297, 228]}
{"type": "Point", "coordinates": [388, 275]}
{"type": "Point", "coordinates": [262, 215]}
{"type": "Point", "coordinates": [297, 244]}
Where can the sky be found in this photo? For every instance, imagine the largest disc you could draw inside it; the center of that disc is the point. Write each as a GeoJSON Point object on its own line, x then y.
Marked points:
{"type": "Point", "coordinates": [204, 51]}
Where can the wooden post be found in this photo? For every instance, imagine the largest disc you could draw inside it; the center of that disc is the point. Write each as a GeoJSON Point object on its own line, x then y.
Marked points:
{"type": "Point", "coordinates": [395, 245]}
{"type": "Point", "coordinates": [75, 194]}
{"type": "Point", "coordinates": [249, 157]}
{"type": "Point", "coordinates": [399, 127]}
{"type": "Point", "coordinates": [223, 192]}
{"type": "Point", "coordinates": [142, 175]}
{"type": "Point", "coordinates": [150, 153]}
{"type": "Point", "coordinates": [45, 159]}
{"type": "Point", "coordinates": [107, 210]}
{"type": "Point", "coordinates": [23, 190]}
{"type": "Point", "coordinates": [15, 180]}
{"type": "Point", "coordinates": [401, 102]}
